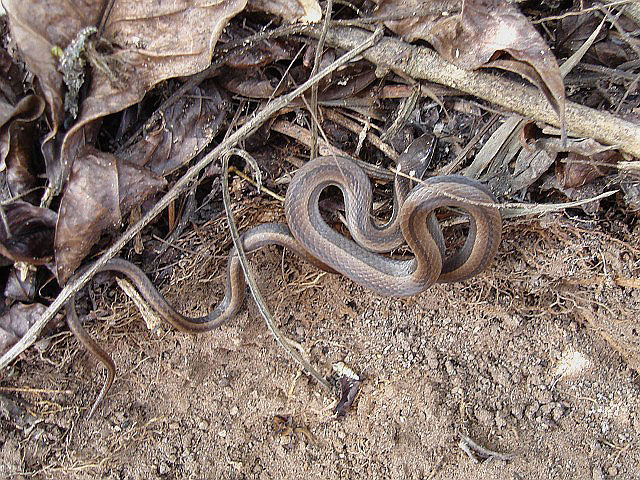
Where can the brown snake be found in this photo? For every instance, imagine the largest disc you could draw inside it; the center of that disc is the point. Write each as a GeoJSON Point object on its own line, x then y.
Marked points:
{"type": "Point", "coordinates": [309, 236]}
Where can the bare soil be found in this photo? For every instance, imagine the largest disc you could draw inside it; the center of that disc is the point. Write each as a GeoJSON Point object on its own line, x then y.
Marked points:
{"type": "Point", "coordinates": [533, 358]}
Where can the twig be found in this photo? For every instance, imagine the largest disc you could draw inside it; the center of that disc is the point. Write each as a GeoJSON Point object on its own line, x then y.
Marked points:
{"type": "Point", "coordinates": [249, 127]}
{"type": "Point", "coordinates": [245, 45]}
{"type": "Point", "coordinates": [248, 275]}
{"type": "Point", "coordinates": [314, 89]}
{"type": "Point", "coordinates": [612, 3]}
{"type": "Point", "coordinates": [422, 63]}
{"type": "Point", "coordinates": [376, 141]}
{"type": "Point", "coordinates": [631, 8]}
{"type": "Point", "coordinates": [260, 188]}
{"type": "Point", "coordinates": [304, 137]}
{"type": "Point", "coordinates": [512, 209]}
{"type": "Point", "coordinates": [467, 445]}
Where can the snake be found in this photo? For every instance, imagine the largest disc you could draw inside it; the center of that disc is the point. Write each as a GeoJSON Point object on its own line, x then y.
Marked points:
{"type": "Point", "coordinates": [363, 258]}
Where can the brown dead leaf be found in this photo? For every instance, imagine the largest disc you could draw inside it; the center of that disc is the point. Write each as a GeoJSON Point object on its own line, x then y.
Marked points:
{"type": "Point", "coordinates": [353, 80]}
{"type": "Point", "coordinates": [101, 190]}
{"type": "Point", "coordinates": [421, 16]}
{"type": "Point", "coordinates": [36, 27]}
{"type": "Point", "coordinates": [304, 11]}
{"type": "Point", "coordinates": [260, 54]}
{"type": "Point", "coordinates": [16, 143]}
{"type": "Point", "coordinates": [479, 34]}
{"type": "Point", "coordinates": [252, 84]}
{"type": "Point", "coordinates": [186, 128]}
{"type": "Point", "coordinates": [573, 31]}
{"type": "Point", "coordinates": [15, 323]}
{"type": "Point", "coordinates": [578, 170]}
{"type": "Point", "coordinates": [582, 162]}
{"type": "Point", "coordinates": [144, 42]}
{"type": "Point", "coordinates": [30, 233]}
{"type": "Point", "coordinates": [21, 285]}
{"type": "Point", "coordinates": [29, 109]}
{"type": "Point", "coordinates": [578, 166]}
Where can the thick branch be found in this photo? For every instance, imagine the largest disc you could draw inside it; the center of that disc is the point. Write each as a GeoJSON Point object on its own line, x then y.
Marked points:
{"type": "Point", "coordinates": [422, 63]}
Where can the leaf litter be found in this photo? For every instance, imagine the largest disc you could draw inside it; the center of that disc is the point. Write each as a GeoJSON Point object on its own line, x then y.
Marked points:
{"type": "Point", "coordinates": [93, 82]}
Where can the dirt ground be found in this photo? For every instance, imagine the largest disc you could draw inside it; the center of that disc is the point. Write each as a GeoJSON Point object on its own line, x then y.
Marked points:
{"type": "Point", "coordinates": [519, 359]}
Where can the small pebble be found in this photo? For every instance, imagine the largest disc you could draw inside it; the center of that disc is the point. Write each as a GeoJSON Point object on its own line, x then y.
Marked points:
{"type": "Point", "coordinates": [163, 468]}
{"type": "Point", "coordinates": [596, 473]}
{"type": "Point", "coordinates": [543, 395]}
{"type": "Point", "coordinates": [449, 367]}
{"type": "Point", "coordinates": [483, 416]}
{"type": "Point", "coordinates": [557, 413]}
{"type": "Point", "coordinates": [531, 410]}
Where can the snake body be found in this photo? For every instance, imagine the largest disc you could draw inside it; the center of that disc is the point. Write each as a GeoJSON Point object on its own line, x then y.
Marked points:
{"type": "Point", "coordinates": [309, 236]}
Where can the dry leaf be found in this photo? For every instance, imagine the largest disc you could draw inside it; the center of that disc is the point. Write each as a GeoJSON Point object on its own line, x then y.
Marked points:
{"type": "Point", "coordinates": [186, 128]}
{"type": "Point", "coordinates": [30, 235]}
{"type": "Point", "coordinates": [529, 167]}
{"type": "Point", "coordinates": [252, 84]}
{"type": "Point", "coordinates": [421, 16]}
{"type": "Point", "coordinates": [260, 54]}
{"type": "Point", "coordinates": [145, 42]}
{"type": "Point", "coordinates": [19, 288]}
{"type": "Point", "coordinates": [304, 11]}
{"type": "Point", "coordinates": [582, 169]}
{"type": "Point", "coordinates": [573, 31]}
{"type": "Point", "coordinates": [17, 146]}
{"type": "Point", "coordinates": [15, 323]}
{"type": "Point", "coordinates": [475, 33]}
{"type": "Point", "coordinates": [29, 109]}
{"type": "Point", "coordinates": [101, 190]}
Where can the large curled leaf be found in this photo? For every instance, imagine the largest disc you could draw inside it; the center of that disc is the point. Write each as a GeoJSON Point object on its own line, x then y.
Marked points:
{"type": "Point", "coordinates": [28, 235]}
{"type": "Point", "coordinates": [16, 142]}
{"type": "Point", "coordinates": [479, 33]}
{"type": "Point", "coordinates": [27, 110]}
{"type": "Point", "coordinates": [101, 190]}
{"type": "Point", "coordinates": [143, 43]}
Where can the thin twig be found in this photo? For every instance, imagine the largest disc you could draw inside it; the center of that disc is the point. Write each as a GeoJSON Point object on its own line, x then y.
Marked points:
{"type": "Point", "coordinates": [314, 89]}
{"type": "Point", "coordinates": [249, 127]}
{"type": "Point", "coordinates": [376, 141]}
{"type": "Point", "coordinates": [583, 11]}
{"type": "Point", "coordinates": [512, 209]}
{"type": "Point", "coordinates": [244, 45]}
{"type": "Point", "coordinates": [468, 445]}
{"type": "Point", "coordinates": [261, 188]}
{"type": "Point", "coordinates": [248, 274]}
{"type": "Point", "coordinates": [422, 63]}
